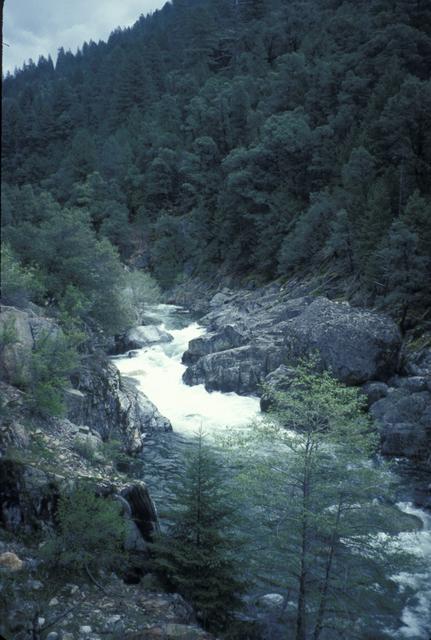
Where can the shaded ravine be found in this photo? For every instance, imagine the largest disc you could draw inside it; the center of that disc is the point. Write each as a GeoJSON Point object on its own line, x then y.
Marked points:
{"type": "Point", "coordinates": [158, 372]}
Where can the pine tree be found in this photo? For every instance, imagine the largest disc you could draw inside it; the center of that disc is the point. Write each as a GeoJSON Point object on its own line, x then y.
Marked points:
{"type": "Point", "coordinates": [239, 115]}
{"type": "Point", "coordinates": [196, 554]}
{"type": "Point", "coordinates": [90, 534]}
{"type": "Point", "coordinates": [417, 215]}
{"type": "Point", "coordinates": [302, 245]}
{"type": "Point", "coordinates": [319, 510]}
{"type": "Point", "coordinates": [340, 242]}
{"type": "Point", "coordinates": [402, 272]}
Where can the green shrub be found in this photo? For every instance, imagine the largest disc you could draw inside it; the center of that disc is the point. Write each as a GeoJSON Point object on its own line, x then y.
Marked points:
{"type": "Point", "coordinates": [91, 532]}
{"type": "Point", "coordinates": [36, 454]}
{"type": "Point", "coordinates": [113, 452]}
{"type": "Point", "coordinates": [47, 399]}
{"type": "Point", "coordinates": [85, 449]}
{"type": "Point", "coordinates": [140, 289]}
{"type": "Point", "coordinates": [18, 284]}
{"type": "Point", "coordinates": [52, 362]}
{"type": "Point", "coordinates": [82, 275]}
{"type": "Point", "coordinates": [8, 334]}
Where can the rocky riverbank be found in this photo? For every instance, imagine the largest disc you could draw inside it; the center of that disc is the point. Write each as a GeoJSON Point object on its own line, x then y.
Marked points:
{"type": "Point", "coordinates": [106, 424]}
{"type": "Point", "coordinates": [97, 396]}
{"type": "Point", "coordinates": [254, 339]}
{"type": "Point", "coordinates": [256, 335]}
{"type": "Point", "coordinates": [78, 610]}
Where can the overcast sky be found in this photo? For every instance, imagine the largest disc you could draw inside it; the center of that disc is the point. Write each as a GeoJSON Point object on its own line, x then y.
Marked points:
{"type": "Point", "coordinates": [40, 27]}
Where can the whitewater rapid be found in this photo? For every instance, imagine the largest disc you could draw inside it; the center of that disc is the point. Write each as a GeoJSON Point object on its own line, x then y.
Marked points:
{"type": "Point", "coordinates": [158, 371]}
{"type": "Point", "coordinates": [416, 616]}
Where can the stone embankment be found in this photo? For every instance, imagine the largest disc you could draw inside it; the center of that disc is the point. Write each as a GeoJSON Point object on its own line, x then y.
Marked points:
{"type": "Point", "coordinates": [256, 336]}
{"type": "Point", "coordinates": [41, 458]}
{"type": "Point", "coordinates": [98, 397]}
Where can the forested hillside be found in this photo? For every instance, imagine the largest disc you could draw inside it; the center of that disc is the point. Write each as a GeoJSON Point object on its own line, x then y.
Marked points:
{"type": "Point", "coordinates": [263, 138]}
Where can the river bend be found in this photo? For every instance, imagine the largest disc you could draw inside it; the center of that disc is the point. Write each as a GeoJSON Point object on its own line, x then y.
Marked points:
{"type": "Point", "coordinates": [158, 372]}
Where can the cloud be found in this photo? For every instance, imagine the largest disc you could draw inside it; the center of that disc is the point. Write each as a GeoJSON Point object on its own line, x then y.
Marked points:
{"type": "Point", "coordinates": [40, 27]}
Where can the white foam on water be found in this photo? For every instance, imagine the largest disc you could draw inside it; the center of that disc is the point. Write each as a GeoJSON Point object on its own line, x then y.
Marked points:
{"type": "Point", "coordinates": [416, 616]}
{"type": "Point", "coordinates": [158, 370]}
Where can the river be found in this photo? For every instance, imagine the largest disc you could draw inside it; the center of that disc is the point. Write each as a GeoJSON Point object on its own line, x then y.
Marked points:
{"type": "Point", "coordinates": [158, 371]}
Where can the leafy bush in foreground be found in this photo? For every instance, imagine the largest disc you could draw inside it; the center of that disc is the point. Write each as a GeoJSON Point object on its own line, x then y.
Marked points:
{"type": "Point", "coordinates": [91, 532]}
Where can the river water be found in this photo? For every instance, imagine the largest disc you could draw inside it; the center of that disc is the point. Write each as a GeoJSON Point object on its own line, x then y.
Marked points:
{"type": "Point", "coordinates": [158, 372]}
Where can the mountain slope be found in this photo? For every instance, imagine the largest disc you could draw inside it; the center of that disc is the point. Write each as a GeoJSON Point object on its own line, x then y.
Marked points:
{"type": "Point", "coordinates": [265, 138]}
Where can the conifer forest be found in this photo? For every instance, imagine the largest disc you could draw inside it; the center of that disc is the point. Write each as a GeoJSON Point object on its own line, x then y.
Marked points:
{"type": "Point", "coordinates": [215, 328]}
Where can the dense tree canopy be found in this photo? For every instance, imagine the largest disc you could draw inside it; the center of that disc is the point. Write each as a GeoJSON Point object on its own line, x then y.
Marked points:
{"type": "Point", "coordinates": [260, 137]}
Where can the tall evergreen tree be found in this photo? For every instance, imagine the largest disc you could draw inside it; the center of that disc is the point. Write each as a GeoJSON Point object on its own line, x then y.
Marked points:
{"type": "Point", "coordinates": [401, 272]}
{"type": "Point", "coordinates": [197, 554]}
{"type": "Point", "coordinates": [318, 511]}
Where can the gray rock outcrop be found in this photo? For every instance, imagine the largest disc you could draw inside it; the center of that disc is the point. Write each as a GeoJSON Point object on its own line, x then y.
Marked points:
{"type": "Point", "coordinates": [278, 380]}
{"type": "Point", "coordinates": [374, 391]}
{"type": "Point", "coordinates": [401, 408]}
{"type": "Point", "coordinates": [241, 369]}
{"type": "Point", "coordinates": [356, 345]}
{"type": "Point", "coordinates": [419, 363]}
{"type": "Point", "coordinates": [228, 338]}
{"type": "Point", "coordinates": [29, 500]}
{"type": "Point", "coordinates": [255, 338]}
{"type": "Point", "coordinates": [112, 406]}
{"type": "Point", "coordinates": [142, 336]}
{"type": "Point", "coordinates": [403, 417]}
{"type": "Point", "coordinates": [98, 397]}
{"type": "Point", "coordinates": [252, 333]}
{"type": "Point", "coordinates": [21, 332]}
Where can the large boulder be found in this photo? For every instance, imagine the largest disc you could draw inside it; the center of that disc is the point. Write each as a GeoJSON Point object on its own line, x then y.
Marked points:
{"type": "Point", "coordinates": [113, 406]}
{"type": "Point", "coordinates": [271, 601]}
{"type": "Point", "coordinates": [20, 333]}
{"type": "Point", "coordinates": [418, 363]}
{"type": "Point", "coordinates": [278, 380]}
{"type": "Point", "coordinates": [10, 562]}
{"type": "Point", "coordinates": [221, 298]}
{"type": "Point", "coordinates": [404, 421]}
{"type": "Point", "coordinates": [405, 439]}
{"type": "Point", "coordinates": [356, 345]}
{"type": "Point", "coordinates": [228, 337]}
{"type": "Point", "coordinates": [143, 336]}
{"type": "Point", "coordinates": [253, 333]}
{"type": "Point", "coordinates": [142, 509]}
{"type": "Point", "coordinates": [374, 390]}
{"type": "Point", "coordinates": [241, 369]}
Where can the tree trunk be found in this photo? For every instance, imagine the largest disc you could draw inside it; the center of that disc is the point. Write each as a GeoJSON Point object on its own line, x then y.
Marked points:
{"type": "Point", "coordinates": [199, 496]}
{"type": "Point", "coordinates": [324, 591]}
{"type": "Point", "coordinates": [300, 616]}
{"type": "Point", "coordinates": [302, 591]}
{"type": "Point", "coordinates": [403, 319]}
